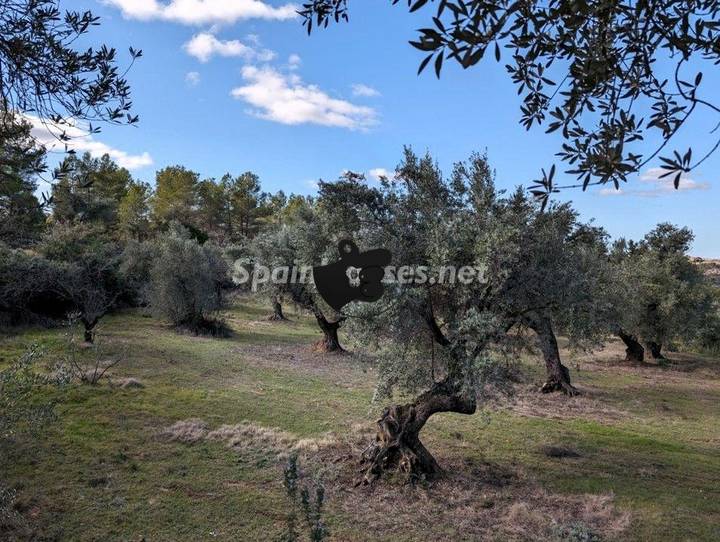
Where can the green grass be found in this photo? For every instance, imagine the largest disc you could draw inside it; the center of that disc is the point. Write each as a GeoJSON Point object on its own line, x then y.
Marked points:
{"type": "Point", "coordinates": [102, 472]}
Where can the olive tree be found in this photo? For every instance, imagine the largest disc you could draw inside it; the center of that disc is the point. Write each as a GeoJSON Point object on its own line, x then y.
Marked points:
{"type": "Point", "coordinates": [432, 336]}
{"type": "Point", "coordinates": [27, 287]}
{"type": "Point", "coordinates": [273, 249]}
{"type": "Point", "coordinates": [666, 296]}
{"type": "Point", "coordinates": [301, 242]}
{"type": "Point", "coordinates": [557, 279]}
{"type": "Point", "coordinates": [441, 339]}
{"type": "Point", "coordinates": [89, 277]}
{"type": "Point", "coordinates": [186, 281]}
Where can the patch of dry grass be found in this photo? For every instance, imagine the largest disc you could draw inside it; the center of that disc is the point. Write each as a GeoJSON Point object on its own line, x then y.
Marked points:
{"type": "Point", "coordinates": [472, 500]}
{"type": "Point", "coordinates": [247, 438]}
{"type": "Point", "coordinates": [187, 431]}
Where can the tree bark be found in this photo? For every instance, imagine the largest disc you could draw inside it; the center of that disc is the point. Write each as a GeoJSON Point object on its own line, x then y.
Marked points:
{"type": "Point", "coordinates": [655, 350]}
{"type": "Point", "coordinates": [654, 323]}
{"type": "Point", "coordinates": [277, 314]}
{"type": "Point", "coordinates": [634, 350]}
{"type": "Point", "coordinates": [88, 334]}
{"type": "Point", "coordinates": [397, 446]}
{"type": "Point", "coordinates": [558, 376]}
{"type": "Point", "coordinates": [330, 341]}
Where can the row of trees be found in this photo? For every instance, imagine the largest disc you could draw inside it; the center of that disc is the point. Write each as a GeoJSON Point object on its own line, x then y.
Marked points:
{"type": "Point", "coordinates": [225, 211]}
{"type": "Point", "coordinates": [96, 191]}
{"type": "Point", "coordinates": [108, 240]}
{"type": "Point", "coordinates": [552, 260]}
{"type": "Point", "coordinates": [547, 273]}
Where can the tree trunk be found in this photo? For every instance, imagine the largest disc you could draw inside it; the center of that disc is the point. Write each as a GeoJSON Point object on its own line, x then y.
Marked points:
{"type": "Point", "coordinates": [654, 323]}
{"type": "Point", "coordinates": [330, 341]}
{"type": "Point", "coordinates": [397, 445]}
{"type": "Point", "coordinates": [634, 350]}
{"type": "Point", "coordinates": [277, 314]}
{"type": "Point", "coordinates": [88, 334]}
{"type": "Point", "coordinates": [558, 376]}
{"type": "Point", "coordinates": [655, 350]}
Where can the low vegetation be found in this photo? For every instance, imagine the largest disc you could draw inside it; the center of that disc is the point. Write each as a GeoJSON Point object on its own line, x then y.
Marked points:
{"type": "Point", "coordinates": [113, 451]}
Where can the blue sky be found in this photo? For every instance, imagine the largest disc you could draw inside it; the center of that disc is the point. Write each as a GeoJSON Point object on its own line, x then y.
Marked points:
{"type": "Point", "coordinates": [237, 85]}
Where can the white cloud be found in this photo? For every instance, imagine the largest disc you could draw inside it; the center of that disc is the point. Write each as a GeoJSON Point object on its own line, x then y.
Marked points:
{"type": "Point", "coordinates": [192, 78]}
{"type": "Point", "coordinates": [284, 98]}
{"type": "Point", "coordinates": [611, 192]}
{"type": "Point", "coordinates": [81, 141]}
{"type": "Point", "coordinates": [379, 172]}
{"type": "Point", "coordinates": [665, 184]}
{"type": "Point", "coordinates": [203, 11]}
{"type": "Point", "coordinates": [656, 186]}
{"type": "Point", "coordinates": [294, 61]}
{"type": "Point", "coordinates": [359, 89]}
{"type": "Point", "coordinates": [205, 45]}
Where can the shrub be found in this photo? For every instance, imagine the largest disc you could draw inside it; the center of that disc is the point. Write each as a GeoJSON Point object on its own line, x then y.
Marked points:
{"type": "Point", "coordinates": [186, 281]}
{"type": "Point", "coordinates": [303, 505]}
{"type": "Point", "coordinates": [135, 267]}
{"type": "Point", "coordinates": [88, 365]}
{"type": "Point", "coordinates": [20, 410]}
{"type": "Point", "coordinates": [26, 287]}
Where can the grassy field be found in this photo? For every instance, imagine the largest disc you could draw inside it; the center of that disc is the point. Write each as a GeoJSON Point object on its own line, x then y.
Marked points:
{"type": "Point", "coordinates": [116, 465]}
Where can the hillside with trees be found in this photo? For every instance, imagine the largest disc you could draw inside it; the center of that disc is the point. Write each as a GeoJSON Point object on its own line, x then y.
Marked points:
{"type": "Point", "coordinates": [424, 353]}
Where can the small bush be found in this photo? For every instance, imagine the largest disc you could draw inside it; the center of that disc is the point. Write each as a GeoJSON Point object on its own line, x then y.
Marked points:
{"type": "Point", "coordinates": [304, 506]}
{"type": "Point", "coordinates": [88, 365]}
{"type": "Point", "coordinates": [21, 411]}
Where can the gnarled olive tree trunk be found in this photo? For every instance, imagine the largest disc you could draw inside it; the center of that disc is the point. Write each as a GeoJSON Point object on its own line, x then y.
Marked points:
{"type": "Point", "coordinates": [558, 376]}
{"type": "Point", "coordinates": [654, 323]}
{"type": "Point", "coordinates": [330, 341]}
{"type": "Point", "coordinates": [633, 349]}
{"type": "Point", "coordinates": [305, 298]}
{"type": "Point", "coordinates": [397, 445]}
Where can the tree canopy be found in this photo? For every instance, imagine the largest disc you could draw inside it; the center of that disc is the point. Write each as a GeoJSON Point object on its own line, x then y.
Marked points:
{"type": "Point", "coordinates": [44, 73]}
{"type": "Point", "coordinates": [21, 216]}
{"type": "Point", "coordinates": [607, 75]}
